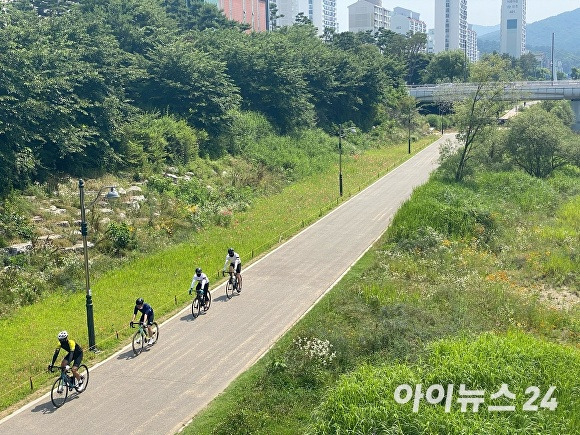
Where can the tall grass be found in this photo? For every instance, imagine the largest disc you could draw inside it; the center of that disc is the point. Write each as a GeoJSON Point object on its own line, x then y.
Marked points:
{"type": "Point", "coordinates": [364, 401]}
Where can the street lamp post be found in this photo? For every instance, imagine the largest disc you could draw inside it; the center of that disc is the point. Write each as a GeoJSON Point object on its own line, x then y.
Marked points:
{"type": "Point", "coordinates": [340, 159]}
{"type": "Point", "coordinates": [441, 117]}
{"type": "Point", "coordinates": [112, 194]}
{"type": "Point", "coordinates": [409, 130]}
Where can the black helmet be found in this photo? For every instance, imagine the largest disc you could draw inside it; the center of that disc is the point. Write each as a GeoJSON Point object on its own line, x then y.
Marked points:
{"type": "Point", "coordinates": [231, 252]}
{"type": "Point", "coordinates": [198, 271]}
{"type": "Point", "coordinates": [139, 301]}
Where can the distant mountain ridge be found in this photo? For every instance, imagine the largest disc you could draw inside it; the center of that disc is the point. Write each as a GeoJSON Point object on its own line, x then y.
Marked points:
{"type": "Point", "coordinates": [484, 30]}
{"type": "Point", "coordinates": [566, 28]}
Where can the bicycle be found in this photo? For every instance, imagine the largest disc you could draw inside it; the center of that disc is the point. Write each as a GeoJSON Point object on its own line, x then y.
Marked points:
{"type": "Point", "coordinates": [66, 382]}
{"type": "Point", "coordinates": [198, 304]}
{"type": "Point", "coordinates": [232, 285]}
{"type": "Point", "coordinates": [140, 339]}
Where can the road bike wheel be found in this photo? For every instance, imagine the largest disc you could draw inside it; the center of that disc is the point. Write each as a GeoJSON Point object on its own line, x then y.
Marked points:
{"type": "Point", "coordinates": [155, 332]}
{"type": "Point", "coordinates": [208, 302]}
{"type": "Point", "coordinates": [195, 307]}
{"type": "Point", "coordinates": [138, 341]}
{"type": "Point", "coordinates": [59, 393]}
{"type": "Point", "coordinates": [84, 372]}
{"type": "Point", "coordinates": [229, 289]}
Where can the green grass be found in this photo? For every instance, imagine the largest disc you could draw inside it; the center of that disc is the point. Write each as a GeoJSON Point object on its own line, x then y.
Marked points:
{"type": "Point", "coordinates": [364, 401]}
{"type": "Point", "coordinates": [163, 278]}
{"type": "Point", "coordinates": [453, 304]}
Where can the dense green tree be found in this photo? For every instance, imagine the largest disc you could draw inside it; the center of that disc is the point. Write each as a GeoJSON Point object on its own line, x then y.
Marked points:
{"type": "Point", "coordinates": [266, 69]}
{"type": "Point", "coordinates": [536, 141]}
{"type": "Point", "coordinates": [446, 67]}
{"type": "Point", "coordinates": [190, 83]}
{"type": "Point", "coordinates": [575, 75]}
{"type": "Point", "coordinates": [562, 109]}
{"type": "Point", "coordinates": [151, 142]}
{"type": "Point", "coordinates": [528, 66]}
{"type": "Point", "coordinates": [63, 96]}
{"type": "Point", "coordinates": [138, 26]}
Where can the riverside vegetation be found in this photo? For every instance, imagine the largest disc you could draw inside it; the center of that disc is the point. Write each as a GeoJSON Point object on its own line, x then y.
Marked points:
{"type": "Point", "coordinates": [244, 127]}
{"type": "Point", "coordinates": [473, 283]}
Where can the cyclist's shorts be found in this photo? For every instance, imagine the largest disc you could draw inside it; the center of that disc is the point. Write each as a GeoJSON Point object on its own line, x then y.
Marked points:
{"type": "Point", "coordinates": [150, 318]}
{"type": "Point", "coordinates": [239, 268]}
{"type": "Point", "coordinates": [75, 357]}
{"type": "Point", "coordinates": [205, 287]}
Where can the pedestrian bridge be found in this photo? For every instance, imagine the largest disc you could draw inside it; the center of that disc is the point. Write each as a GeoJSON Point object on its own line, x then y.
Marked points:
{"type": "Point", "coordinates": [514, 91]}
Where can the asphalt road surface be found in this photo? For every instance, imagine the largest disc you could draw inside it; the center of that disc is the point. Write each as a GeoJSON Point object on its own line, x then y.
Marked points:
{"type": "Point", "coordinates": [163, 388]}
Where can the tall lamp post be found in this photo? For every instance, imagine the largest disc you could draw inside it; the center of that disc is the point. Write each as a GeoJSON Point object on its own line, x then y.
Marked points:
{"type": "Point", "coordinates": [112, 194]}
{"type": "Point", "coordinates": [409, 149]}
{"type": "Point", "coordinates": [340, 159]}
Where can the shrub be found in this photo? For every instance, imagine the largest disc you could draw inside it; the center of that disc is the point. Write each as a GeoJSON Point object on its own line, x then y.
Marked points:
{"type": "Point", "coordinates": [119, 238]}
{"type": "Point", "coordinates": [364, 401]}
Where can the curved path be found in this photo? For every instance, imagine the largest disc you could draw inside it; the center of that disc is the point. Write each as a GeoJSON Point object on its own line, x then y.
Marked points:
{"type": "Point", "coordinates": [159, 391]}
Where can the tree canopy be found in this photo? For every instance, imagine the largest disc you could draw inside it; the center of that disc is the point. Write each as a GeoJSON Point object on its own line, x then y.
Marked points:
{"type": "Point", "coordinates": [77, 77]}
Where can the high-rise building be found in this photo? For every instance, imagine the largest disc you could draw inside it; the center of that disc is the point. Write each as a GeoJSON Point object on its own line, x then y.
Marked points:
{"type": "Point", "coordinates": [367, 15]}
{"type": "Point", "coordinates": [471, 44]}
{"type": "Point", "coordinates": [405, 20]}
{"type": "Point", "coordinates": [322, 13]}
{"type": "Point", "coordinates": [513, 27]}
{"type": "Point", "coordinates": [450, 25]}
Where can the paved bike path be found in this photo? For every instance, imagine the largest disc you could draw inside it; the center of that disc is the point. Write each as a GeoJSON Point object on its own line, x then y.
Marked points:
{"type": "Point", "coordinates": [161, 389]}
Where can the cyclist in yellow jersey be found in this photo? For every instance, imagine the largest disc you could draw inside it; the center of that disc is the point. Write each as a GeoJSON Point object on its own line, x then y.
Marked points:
{"type": "Point", "coordinates": [73, 357]}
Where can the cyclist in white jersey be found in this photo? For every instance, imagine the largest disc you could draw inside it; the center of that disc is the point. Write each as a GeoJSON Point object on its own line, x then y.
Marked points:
{"type": "Point", "coordinates": [233, 259]}
{"type": "Point", "coordinates": [202, 282]}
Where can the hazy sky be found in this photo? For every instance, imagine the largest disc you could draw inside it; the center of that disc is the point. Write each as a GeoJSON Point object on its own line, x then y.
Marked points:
{"type": "Point", "coordinates": [481, 12]}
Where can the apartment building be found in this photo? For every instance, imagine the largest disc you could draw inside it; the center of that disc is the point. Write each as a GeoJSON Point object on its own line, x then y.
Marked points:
{"type": "Point", "coordinates": [513, 27]}
{"type": "Point", "coordinates": [450, 25]}
{"type": "Point", "coordinates": [471, 51]}
{"type": "Point", "coordinates": [404, 21]}
{"type": "Point", "coordinates": [452, 32]}
{"type": "Point", "coordinates": [367, 15]}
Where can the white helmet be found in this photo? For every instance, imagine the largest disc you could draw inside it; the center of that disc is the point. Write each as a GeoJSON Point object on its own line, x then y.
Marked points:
{"type": "Point", "coordinates": [62, 335]}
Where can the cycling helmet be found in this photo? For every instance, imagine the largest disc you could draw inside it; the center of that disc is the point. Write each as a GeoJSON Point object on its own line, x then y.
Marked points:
{"type": "Point", "coordinates": [62, 335]}
{"type": "Point", "coordinates": [231, 252]}
{"type": "Point", "coordinates": [198, 271]}
{"type": "Point", "coordinates": [139, 301]}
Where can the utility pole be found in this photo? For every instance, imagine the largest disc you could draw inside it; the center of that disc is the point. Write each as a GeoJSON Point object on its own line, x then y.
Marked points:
{"type": "Point", "coordinates": [552, 61]}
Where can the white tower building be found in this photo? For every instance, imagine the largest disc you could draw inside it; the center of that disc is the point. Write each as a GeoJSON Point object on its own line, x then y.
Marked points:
{"type": "Point", "coordinates": [513, 27]}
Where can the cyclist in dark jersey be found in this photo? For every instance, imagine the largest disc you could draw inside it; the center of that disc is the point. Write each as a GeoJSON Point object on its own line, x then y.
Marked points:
{"type": "Point", "coordinates": [147, 316]}
{"type": "Point", "coordinates": [73, 357]}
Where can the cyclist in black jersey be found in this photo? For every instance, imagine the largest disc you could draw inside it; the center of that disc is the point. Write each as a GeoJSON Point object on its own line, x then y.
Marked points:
{"type": "Point", "coordinates": [73, 357]}
{"type": "Point", "coordinates": [147, 316]}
